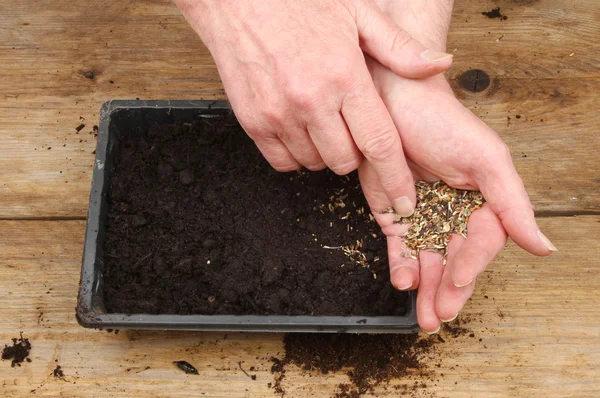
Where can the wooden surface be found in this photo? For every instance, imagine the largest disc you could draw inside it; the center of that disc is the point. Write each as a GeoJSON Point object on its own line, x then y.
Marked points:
{"type": "Point", "coordinates": [544, 63]}
{"type": "Point", "coordinates": [538, 325]}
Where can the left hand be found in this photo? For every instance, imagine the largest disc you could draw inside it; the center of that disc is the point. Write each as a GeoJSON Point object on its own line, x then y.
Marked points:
{"type": "Point", "coordinates": [445, 141]}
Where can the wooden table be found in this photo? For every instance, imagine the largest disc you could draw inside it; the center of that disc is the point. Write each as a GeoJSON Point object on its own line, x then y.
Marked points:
{"type": "Point", "coordinates": [538, 319]}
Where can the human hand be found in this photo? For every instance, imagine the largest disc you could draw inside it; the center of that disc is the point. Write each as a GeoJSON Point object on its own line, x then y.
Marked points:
{"type": "Point", "coordinates": [298, 82]}
{"type": "Point", "coordinates": [442, 140]}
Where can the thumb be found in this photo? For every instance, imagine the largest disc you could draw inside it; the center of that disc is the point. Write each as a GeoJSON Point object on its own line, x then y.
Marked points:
{"type": "Point", "coordinates": [503, 189]}
{"type": "Point", "coordinates": [395, 48]}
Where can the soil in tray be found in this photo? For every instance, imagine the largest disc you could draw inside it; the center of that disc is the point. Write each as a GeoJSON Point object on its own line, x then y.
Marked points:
{"type": "Point", "coordinates": [199, 223]}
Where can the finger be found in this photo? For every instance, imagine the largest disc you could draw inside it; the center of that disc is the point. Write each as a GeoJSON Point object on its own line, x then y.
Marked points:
{"type": "Point", "coordinates": [332, 139]}
{"type": "Point", "coordinates": [431, 269]}
{"type": "Point", "coordinates": [277, 154]}
{"type": "Point", "coordinates": [404, 271]}
{"type": "Point", "coordinates": [376, 136]}
{"type": "Point", "coordinates": [395, 48]}
{"type": "Point", "coordinates": [300, 145]}
{"type": "Point", "coordinates": [504, 190]}
{"type": "Point", "coordinates": [486, 238]}
{"type": "Point", "coordinates": [450, 299]}
{"type": "Point", "coordinates": [378, 201]}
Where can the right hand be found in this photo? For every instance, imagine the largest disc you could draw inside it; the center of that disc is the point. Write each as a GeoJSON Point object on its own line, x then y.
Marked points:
{"type": "Point", "coordinates": [297, 80]}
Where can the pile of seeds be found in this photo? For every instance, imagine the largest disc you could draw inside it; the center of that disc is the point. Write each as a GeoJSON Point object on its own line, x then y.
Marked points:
{"type": "Point", "coordinates": [440, 212]}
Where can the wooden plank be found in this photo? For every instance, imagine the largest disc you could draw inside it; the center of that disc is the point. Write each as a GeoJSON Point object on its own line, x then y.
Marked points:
{"type": "Point", "coordinates": [538, 321]}
{"type": "Point", "coordinates": [540, 38]}
{"type": "Point", "coordinates": [147, 51]}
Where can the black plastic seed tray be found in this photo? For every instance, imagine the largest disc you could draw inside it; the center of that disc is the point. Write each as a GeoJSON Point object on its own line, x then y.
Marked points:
{"type": "Point", "coordinates": [118, 118]}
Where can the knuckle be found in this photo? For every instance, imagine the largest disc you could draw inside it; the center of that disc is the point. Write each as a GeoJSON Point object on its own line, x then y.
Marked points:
{"type": "Point", "coordinates": [271, 114]}
{"type": "Point", "coordinates": [345, 166]}
{"type": "Point", "coordinates": [309, 95]}
{"type": "Point", "coordinates": [490, 161]}
{"type": "Point", "coordinates": [342, 80]}
{"type": "Point", "coordinates": [315, 166]}
{"type": "Point", "coordinates": [249, 123]}
{"type": "Point", "coordinates": [343, 74]}
{"type": "Point", "coordinates": [379, 146]}
{"type": "Point", "coordinates": [281, 162]}
{"type": "Point", "coordinates": [304, 96]}
{"type": "Point", "coordinates": [400, 40]}
{"type": "Point", "coordinates": [285, 167]}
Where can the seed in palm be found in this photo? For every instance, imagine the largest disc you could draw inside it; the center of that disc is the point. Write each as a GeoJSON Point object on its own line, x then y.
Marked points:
{"type": "Point", "coordinates": [440, 212]}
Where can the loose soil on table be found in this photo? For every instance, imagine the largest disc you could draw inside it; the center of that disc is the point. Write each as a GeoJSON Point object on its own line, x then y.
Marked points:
{"type": "Point", "coordinates": [199, 223]}
{"type": "Point", "coordinates": [58, 372]}
{"type": "Point", "coordinates": [18, 352]}
{"type": "Point", "coordinates": [368, 360]}
{"type": "Point", "coordinates": [403, 365]}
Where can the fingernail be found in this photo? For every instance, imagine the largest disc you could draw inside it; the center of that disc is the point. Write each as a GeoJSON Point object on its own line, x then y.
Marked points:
{"type": "Point", "coordinates": [435, 56]}
{"type": "Point", "coordinates": [547, 242]}
{"type": "Point", "coordinates": [463, 284]}
{"type": "Point", "coordinates": [434, 332]}
{"type": "Point", "coordinates": [404, 287]}
{"type": "Point", "coordinates": [449, 320]}
{"type": "Point", "coordinates": [404, 206]}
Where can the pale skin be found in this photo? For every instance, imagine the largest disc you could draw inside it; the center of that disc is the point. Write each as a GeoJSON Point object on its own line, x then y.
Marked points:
{"type": "Point", "coordinates": [298, 81]}
{"type": "Point", "coordinates": [296, 77]}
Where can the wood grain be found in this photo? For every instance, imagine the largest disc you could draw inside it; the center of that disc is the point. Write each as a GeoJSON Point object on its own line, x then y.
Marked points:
{"type": "Point", "coordinates": [145, 49]}
{"type": "Point", "coordinates": [538, 320]}
{"type": "Point", "coordinates": [540, 39]}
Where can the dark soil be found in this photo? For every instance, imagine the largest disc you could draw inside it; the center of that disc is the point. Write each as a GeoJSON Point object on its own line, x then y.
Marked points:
{"type": "Point", "coordinates": [199, 223]}
{"type": "Point", "coordinates": [368, 360]}
{"type": "Point", "coordinates": [58, 372]}
{"type": "Point", "coordinates": [495, 13]}
{"type": "Point", "coordinates": [18, 352]}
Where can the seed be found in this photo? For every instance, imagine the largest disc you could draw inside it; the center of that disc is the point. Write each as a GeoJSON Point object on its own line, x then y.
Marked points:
{"type": "Point", "coordinates": [440, 212]}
